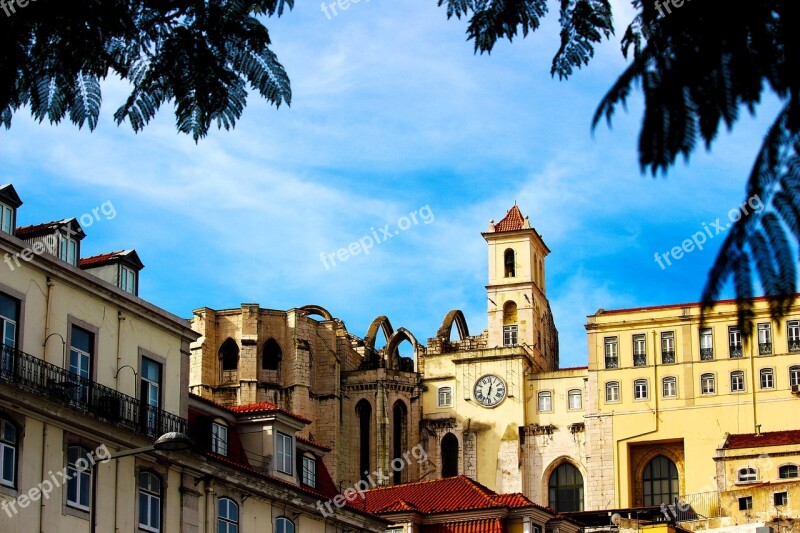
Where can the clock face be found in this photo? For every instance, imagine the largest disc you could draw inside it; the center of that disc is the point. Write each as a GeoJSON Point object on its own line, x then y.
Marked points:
{"type": "Point", "coordinates": [489, 390]}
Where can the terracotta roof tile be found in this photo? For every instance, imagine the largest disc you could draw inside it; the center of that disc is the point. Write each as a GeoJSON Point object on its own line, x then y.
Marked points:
{"type": "Point", "coordinates": [771, 438]}
{"type": "Point", "coordinates": [486, 525]}
{"type": "Point", "coordinates": [262, 407]}
{"type": "Point", "coordinates": [100, 258]}
{"type": "Point", "coordinates": [458, 493]}
{"type": "Point", "coordinates": [513, 220]}
{"type": "Point", "coordinates": [22, 231]}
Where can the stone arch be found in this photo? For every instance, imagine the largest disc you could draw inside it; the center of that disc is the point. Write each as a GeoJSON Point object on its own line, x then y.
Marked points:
{"type": "Point", "coordinates": [317, 310]}
{"type": "Point", "coordinates": [509, 313]}
{"type": "Point", "coordinates": [449, 448]}
{"type": "Point", "coordinates": [447, 325]}
{"type": "Point", "coordinates": [372, 332]}
{"type": "Point", "coordinates": [229, 355]}
{"type": "Point", "coordinates": [551, 470]}
{"type": "Point", "coordinates": [391, 355]}
{"type": "Point", "coordinates": [641, 457]}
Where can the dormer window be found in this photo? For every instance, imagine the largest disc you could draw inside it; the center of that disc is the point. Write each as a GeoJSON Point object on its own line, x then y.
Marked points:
{"type": "Point", "coordinates": [127, 279]}
{"type": "Point", "coordinates": [284, 451]}
{"type": "Point", "coordinates": [309, 471]}
{"type": "Point", "coordinates": [6, 219]}
{"type": "Point", "coordinates": [219, 438]}
{"type": "Point", "coordinates": [68, 250]}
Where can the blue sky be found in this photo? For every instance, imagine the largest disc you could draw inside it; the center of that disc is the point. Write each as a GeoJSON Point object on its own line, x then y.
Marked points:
{"type": "Point", "coordinates": [391, 112]}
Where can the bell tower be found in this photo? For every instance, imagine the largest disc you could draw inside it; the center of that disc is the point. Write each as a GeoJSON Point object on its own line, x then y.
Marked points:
{"type": "Point", "coordinates": [519, 312]}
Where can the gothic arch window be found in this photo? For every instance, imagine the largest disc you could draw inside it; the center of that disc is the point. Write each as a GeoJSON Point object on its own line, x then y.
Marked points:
{"type": "Point", "coordinates": [364, 413]}
{"type": "Point", "coordinates": [399, 437]}
{"type": "Point", "coordinates": [660, 480]}
{"type": "Point", "coordinates": [566, 489]}
{"type": "Point", "coordinates": [449, 456]}
{"type": "Point", "coordinates": [229, 354]}
{"type": "Point", "coordinates": [271, 355]}
{"type": "Point", "coordinates": [509, 262]}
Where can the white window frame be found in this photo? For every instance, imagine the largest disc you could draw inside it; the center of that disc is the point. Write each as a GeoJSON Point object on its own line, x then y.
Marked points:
{"type": "Point", "coordinates": [74, 478]}
{"type": "Point", "coordinates": [764, 336]}
{"type": "Point", "coordinates": [444, 397]}
{"type": "Point", "coordinates": [640, 390]}
{"type": "Point", "coordinates": [747, 474]}
{"type": "Point", "coordinates": [6, 219]}
{"type": "Point", "coordinates": [794, 375]}
{"type": "Point", "coordinates": [150, 496]}
{"type": "Point", "coordinates": [284, 525]}
{"type": "Point", "coordinates": [284, 452]}
{"type": "Point", "coordinates": [8, 447]}
{"type": "Point", "coordinates": [68, 250]}
{"type": "Point", "coordinates": [668, 345]}
{"type": "Point", "coordinates": [231, 523]}
{"type": "Point", "coordinates": [309, 474]}
{"type": "Point", "coordinates": [639, 341]}
{"type": "Point", "coordinates": [793, 334]}
{"type": "Point", "coordinates": [708, 377]}
{"type": "Point", "coordinates": [611, 351]}
{"type": "Point", "coordinates": [219, 438]}
{"type": "Point", "coordinates": [613, 388]}
{"type": "Point", "coordinates": [738, 374]}
{"type": "Point", "coordinates": [706, 342]}
{"type": "Point", "coordinates": [769, 374]}
{"type": "Point", "coordinates": [545, 401]}
{"type": "Point", "coordinates": [510, 335]}
{"type": "Point", "coordinates": [669, 387]}
{"type": "Point", "coordinates": [127, 279]}
{"type": "Point", "coordinates": [571, 395]}
{"type": "Point", "coordinates": [734, 342]}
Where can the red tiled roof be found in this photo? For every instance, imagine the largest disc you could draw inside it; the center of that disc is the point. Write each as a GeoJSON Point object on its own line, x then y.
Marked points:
{"type": "Point", "coordinates": [771, 438]}
{"type": "Point", "coordinates": [513, 220]}
{"type": "Point", "coordinates": [27, 230]}
{"type": "Point", "coordinates": [264, 407]}
{"type": "Point", "coordinates": [458, 493]}
{"type": "Point", "coordinates": [674, 306]}
{"type": "Point", "coordinates": [486, 525]}
{"type": "Point", "coordinates": [100, 258]}
{"type": "Point", "coordinates": [398, 506]}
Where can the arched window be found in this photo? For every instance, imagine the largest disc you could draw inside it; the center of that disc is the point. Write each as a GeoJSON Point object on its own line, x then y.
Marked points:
{"type": "Point", "coordinates": [566, 489]}
{"type": "Point", "coordinates": [444, 398]}
{"type": "Point", "coordinates": [747, 475]}
{"type": "Point", "coordinates": [8, 453]}
{"type": "Point", "coordinates": [79, 477]}
{"type": "Point", "coordinates": [229, 355]}
{"type": "Point", "coordinates": [788, 472]}
{"type": "Point", "coordinates": [271, 355]}
{"type": "Point", "coordinates": [660, 481]}
{"type": "Point", "coordinates": [449, 456]}
{"type": "Point", "coordinates": [399, 437]}
{"type": "Point", "coordinates": [364, 412]}
{"type": "Point", "coordinates": [149, 501]}
{"type": "Point", "coordinates": [509, 262]}
{"type": "Point", "coordinates": [228, 516]}
{"type": "Point", "coordinates": [283, 525]}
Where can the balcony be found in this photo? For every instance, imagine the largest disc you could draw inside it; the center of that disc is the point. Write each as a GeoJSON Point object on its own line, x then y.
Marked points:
{"type": "Point", "coordinates": [736, 351]}
{"type": "Point", "coordinates": [668, 358]}
{"type": "Point", "coordinates": [794, 346]}
{"type": "Point", "coordinates": [26, 372]}
{"type": "Point", "coordinates": [706, 354]}
{"type": "Point", "coordinates": [612, 362]}
{"type": "Point", "coordinates": [639, 359]}
{"type": "Point", "coordinates": [764, 348]}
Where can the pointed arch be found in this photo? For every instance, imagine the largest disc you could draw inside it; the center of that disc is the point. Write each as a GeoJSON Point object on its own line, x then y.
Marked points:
{"type": "Point", "coordinates": [372, 332]}
{"type": "Point", "coordinates": [271, 355]}
{"type": "Point", "coordinates": [399, 437]}
{"type": "Point", "coordinates": [317, 310]}
{"type": "Point", "coordinates": [447, 325]}
{"type": "Point", "coordinates": [229, 354]}
{"type": "Point", "coordinates": [391, 354]}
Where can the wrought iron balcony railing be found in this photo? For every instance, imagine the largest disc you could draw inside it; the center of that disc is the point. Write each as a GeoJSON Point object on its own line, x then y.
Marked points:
{"type": "Point", "coordinates": [639, 359]}
{"type": "Point", "coordinates": [764, 348]}
{"type": "Point", "coordinates": [794, 346]}
{"type": "Point", "coordinates": [736, 351]}
{"type": "Point", "coordinates": [668, 358]}
{"type": "Point", "coordinates": [612, 362]}
{"type": "Point", "coordinates": [706, 354]}
{"type": "Point", "coordinates": [29, 373]}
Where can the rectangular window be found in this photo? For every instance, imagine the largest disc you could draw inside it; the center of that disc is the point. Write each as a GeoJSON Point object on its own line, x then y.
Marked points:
{"type": "Point", "coordinates": [309, 472]}
{"type": "Point", "coordinates": [794, 376]}
{"type": "Point", "coordinates": [283, 453]}
{"type": "Point", "coordinates": [746, 503]}
{"type": "Point", "coordinates": [445, 397]}
{"type": "Point", "coordinates": [781, 498]}
{"type": "Point", "coordinates": [640, 389]}
{"type": "Point", "coordinates": [9, 318]}
{"type": "Point", "coordinates": [612, 391]}
{"type": "Point", "coordinates": [612, 353]}
{"type": "Point", "coordinates": [80, 363]}
{"type": "Point", "coordinates": [545, 401]}
{"type": "Point", "coordinates": [767, 378]}
{"type": "Point", "coordinates": [8, 453]}
{"type": "Point", "coordinates": [737, 381]}
{"type": "Point", "coordinates": [510, 335]}
{"type": "Point", "coordinates": [708, 384]}
{"type": "Point", "coordinates": [669, 387]}
{"type": "Point", "coordinates": [78, 478]}
{"type": "Point", "coordinates": [735, 342]}
{"type": "Point", "coordinates": [706, 345]}
{"type": "Point", "coordinates": [575, 399]}
{"type": "Point", "coordinates": [127, 279]}
{"type": "Point", "coordinates": [219, 438]}
{"type": "Point", "coordinates": [764, 339]}
{"type": "Point", "coordinates": [150, 394]}
{"type": "Point", "coordinates": [639, 350]}
{"type": "Point", "coordinates": [6, 219]}
{"type": "Point", "coordinates": [667, 347]}
{"type": "Point", "coordinates": [788, 472]}
{"type": "Point", "coordinates": [793, 335]}
{"type": "Point", "coordinates": [68, 250]}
